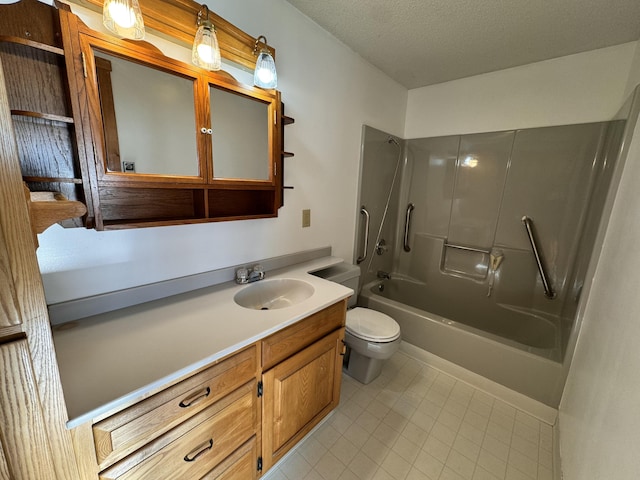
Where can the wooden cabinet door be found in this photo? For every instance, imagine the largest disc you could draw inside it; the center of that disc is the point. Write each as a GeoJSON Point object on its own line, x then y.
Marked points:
{"type": "Point", "coordinates": [22, 429]}
{"type": "Point", "coordinates": [36, 443]}
{"type": "Point", "coordinates": [9, 309]}
{"type": "Point", "coordinates": [298, 393]}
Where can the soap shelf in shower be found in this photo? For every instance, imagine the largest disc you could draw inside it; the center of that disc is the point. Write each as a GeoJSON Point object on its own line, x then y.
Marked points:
{"type": "Point", "coordinates": [469, 249]}
{"type": "Point", "coordinates": [470, 262]}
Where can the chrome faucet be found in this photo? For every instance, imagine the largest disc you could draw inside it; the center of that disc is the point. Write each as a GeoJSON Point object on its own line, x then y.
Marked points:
{"type": "Point", "coordinates": [382, 275]}
{"type": "Point", "coordinates": [249, 275]}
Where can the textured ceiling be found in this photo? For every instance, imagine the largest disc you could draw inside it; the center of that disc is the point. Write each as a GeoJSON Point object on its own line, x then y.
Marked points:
{"type": "Point", "coordinates": [423, 42]}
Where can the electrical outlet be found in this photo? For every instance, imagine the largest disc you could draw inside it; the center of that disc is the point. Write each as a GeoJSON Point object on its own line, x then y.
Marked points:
{"type": "Point", "coordinates": [306, 218]}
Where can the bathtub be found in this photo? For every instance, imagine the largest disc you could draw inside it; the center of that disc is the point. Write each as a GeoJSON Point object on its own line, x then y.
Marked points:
{"type": "Point", "coordinates": [509, 345]}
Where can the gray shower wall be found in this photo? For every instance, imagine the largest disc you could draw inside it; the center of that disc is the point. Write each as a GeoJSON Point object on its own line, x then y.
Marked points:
{"type": "Point", "coordinates": [473, 190]}
{"type": "Point", "coordinates": [379, 159]}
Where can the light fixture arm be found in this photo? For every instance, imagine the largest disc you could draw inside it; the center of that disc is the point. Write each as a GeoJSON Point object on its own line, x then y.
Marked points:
{"type": "Point", "coordinates": [206, 22]}
{"type": "Point", "coordinates": [255, 46]}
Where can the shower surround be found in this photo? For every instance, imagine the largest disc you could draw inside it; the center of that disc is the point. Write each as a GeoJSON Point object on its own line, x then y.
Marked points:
{"type": "Point", "coordinates": [458, 253]}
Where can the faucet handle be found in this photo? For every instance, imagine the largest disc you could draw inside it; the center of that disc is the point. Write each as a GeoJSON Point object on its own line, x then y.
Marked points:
{"type": "Point", "coordinates": [258, 270]}
{"type": "Point", "coordinates": [242, 275]}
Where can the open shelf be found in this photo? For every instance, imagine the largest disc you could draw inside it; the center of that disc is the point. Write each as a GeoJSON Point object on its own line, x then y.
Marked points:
{"type": "Point", "coordinates": [47, 208]}
{"type": "Point", "coordinates": [46, 116]}
{"type": "Point", "coordinates": [31, 43]}
{"type": "Point", "coordinates": [27, 178]}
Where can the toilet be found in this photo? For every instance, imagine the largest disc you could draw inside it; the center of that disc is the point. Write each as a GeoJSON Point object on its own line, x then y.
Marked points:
{"type": "Point", "coordinates": [371, 336]}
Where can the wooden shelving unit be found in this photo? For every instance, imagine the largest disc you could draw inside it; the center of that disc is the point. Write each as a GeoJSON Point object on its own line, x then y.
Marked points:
{"type": "Point", "coordinates": [286, 120]}
{"type": "Point", "coordinates": [46, 132]}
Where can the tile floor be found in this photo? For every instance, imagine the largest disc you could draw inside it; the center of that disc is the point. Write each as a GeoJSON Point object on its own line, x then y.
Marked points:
{"type": "Point", "coordinates": [417, 423]}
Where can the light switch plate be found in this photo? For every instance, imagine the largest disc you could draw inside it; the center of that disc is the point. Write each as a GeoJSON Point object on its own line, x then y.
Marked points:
{"type": "Point", "coordinates": [306, 218]}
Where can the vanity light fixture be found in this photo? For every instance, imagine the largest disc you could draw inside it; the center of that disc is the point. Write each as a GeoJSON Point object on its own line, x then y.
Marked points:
{"type": "Point", "coordinates": [124, 18]}
{"type": "Point", "coordinates": [206, 52]}
{"type": "Point", "coordinates": [265, 75]}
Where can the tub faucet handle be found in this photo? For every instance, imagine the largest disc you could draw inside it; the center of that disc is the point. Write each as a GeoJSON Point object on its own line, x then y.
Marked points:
{"type": "Point", "coordinates": [381, 247]}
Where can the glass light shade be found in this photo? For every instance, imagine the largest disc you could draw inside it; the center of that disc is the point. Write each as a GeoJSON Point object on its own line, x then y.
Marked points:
{"type": "Point", "coordinates": [124, 18]}
{"type": "Point", "coordinates": [265, 75]}
{"type": "Point", "coordinates": [206, 52]}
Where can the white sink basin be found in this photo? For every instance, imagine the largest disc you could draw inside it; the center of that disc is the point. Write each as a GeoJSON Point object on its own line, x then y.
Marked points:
{"type": "Point", "coordinates": [273, 294]}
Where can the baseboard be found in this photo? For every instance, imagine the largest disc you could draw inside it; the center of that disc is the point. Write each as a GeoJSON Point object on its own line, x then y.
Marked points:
{"type": "Point", "coordinates": [557, 461]}
{"type": "Point", "coordinates": [533, 407]}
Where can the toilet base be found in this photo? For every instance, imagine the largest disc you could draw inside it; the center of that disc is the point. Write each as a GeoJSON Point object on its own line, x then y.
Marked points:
{"type": "Point", "coordinates": [364, 369]}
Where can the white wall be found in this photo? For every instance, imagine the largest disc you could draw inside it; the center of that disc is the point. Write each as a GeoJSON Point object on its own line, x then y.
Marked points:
{"type": "Point", "coordinates": [585, 87]}
{"type": "Point", "coordinates": [331, 92]}
{"type": "Point", "coordinates": [600, 409]}
{"type": "Point", "coordinates": [599, 420]}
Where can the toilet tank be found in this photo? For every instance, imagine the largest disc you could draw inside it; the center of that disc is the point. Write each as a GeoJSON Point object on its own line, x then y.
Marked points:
{"type": "Point", "coordinates": [344, 274]}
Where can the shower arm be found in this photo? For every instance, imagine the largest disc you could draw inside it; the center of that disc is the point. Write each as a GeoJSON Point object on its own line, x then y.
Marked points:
{"type": "Point", "coordinates": [367, 220]}
{"type": "Point", "coordinates": [407, 226]}
{"type": "Point", "coordinates": [546, 284]}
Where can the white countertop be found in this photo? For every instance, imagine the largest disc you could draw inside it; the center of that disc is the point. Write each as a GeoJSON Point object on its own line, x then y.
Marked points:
{"type": "Point", "coordinates": [114, 358]}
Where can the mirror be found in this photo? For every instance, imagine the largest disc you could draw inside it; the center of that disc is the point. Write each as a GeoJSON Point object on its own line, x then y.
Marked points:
{"type": "Point", "coordinates": [240, 135]}
{"type": "Point", "coordinates": [172, 143]}
{"type": "Point", "coordinates": [149, 118]}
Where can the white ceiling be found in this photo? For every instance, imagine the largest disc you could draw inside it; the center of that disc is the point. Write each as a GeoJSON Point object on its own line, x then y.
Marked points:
{"type": "Point", "coordinates": [423, 42]}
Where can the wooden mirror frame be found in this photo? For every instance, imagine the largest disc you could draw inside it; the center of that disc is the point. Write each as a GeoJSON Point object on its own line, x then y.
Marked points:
{"type": "Point", "coordinates": [117, 196]}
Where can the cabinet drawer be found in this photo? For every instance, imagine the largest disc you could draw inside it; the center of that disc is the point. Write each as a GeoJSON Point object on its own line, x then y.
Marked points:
{"type": "Point", "coordinates": [122, 433]}
{"type": "Point", "coordinates": [283, 344]}
{"type": "Point", "coordinates": [241, 464]}
{"type": "Point", "coordinates": [196, 446]}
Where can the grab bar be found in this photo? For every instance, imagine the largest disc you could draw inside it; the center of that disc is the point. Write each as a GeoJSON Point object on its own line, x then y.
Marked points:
{"type": "Point", "coordinates": [546, 284]}
{"type": "Point", "coordinates": [468, 249]}
{"type": "Point", "coordinates": [367, 220]}
{"type": "Point", "coordinates": [407, 225]}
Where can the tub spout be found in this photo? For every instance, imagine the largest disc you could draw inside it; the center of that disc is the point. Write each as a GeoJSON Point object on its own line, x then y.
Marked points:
{"type": "Point", "coordinates": [382, 275]}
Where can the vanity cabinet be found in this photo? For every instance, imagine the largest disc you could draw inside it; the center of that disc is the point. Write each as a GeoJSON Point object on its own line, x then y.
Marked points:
{"type": "Point", "coordinates": [202, 427]}
{"type": "Point", "coordinates": [302, 371]}
{"type": "Point", "coordinates": [230, 420]}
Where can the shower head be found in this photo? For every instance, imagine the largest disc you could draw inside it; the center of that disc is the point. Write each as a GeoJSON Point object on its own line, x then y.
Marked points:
{"type": "Point", "coordinates": [393, 140]}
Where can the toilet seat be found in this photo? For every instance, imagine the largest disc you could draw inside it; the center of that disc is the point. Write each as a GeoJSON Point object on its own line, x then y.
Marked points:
{"type": "Point", "coordinates": [372, 325]}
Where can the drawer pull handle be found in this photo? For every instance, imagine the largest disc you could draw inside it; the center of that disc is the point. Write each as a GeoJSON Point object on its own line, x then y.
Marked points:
{"type": "Point", "coordinates": [193, 455]}
{"type": "Point", "coordinates": [195, 398]}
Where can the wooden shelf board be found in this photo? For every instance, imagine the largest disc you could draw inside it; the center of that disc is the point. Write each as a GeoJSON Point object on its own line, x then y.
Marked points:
{"type": "Point", "coordinates": [31, 43]}
{"type": "Point", "coordinates": [77, 181]}
{"type": "Point", "coordinates": [47, 208]}
{"type": "Point", "coordinates": [46, 116]}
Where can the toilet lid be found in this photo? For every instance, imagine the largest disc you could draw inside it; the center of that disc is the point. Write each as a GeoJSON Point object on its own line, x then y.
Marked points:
{"type": "Point", "coordinates": [372, 325]}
